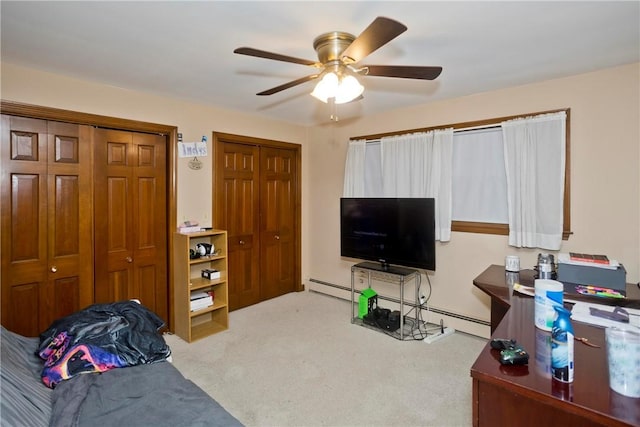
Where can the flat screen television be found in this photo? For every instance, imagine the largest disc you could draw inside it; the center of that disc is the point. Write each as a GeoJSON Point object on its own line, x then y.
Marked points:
{"type": "Point", "coordinates": [398, 231]}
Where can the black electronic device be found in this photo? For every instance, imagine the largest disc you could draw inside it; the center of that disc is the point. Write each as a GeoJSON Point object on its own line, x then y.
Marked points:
{"type": "Point", "coordinates": [514, 356]}
{"type": "Point", "coordinates": [398, 231]}
{"type": "Point", "coordinates": [383, 318]}
{"type": "Point", "coordinates": [205, 249]}
{"type": "Point", "coordinates": [511, 353]}
{"type": "Point", "coordinates": [503, 344]}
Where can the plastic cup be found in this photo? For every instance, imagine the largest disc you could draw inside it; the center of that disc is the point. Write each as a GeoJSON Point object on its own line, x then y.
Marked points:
{"type": "Point", "coordinates": [512, 263]}
{"type": "Point", "coordinates": [623, 358]}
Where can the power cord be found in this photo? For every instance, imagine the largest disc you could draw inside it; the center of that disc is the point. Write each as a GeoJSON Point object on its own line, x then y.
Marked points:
{"type": "Point", "coordinates": [419, 329]}
{"type": "Point", "coordinates": [418, 326]}
{"type": "Point", "coordinates": [426, 330]}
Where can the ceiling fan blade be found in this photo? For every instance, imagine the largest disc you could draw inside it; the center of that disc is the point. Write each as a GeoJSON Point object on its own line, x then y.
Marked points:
{"type": "Point", "coordinates": [275, 56]}
{"type": "Point", "coordinates": [404, 72]}
{"type": "Point", "coordinates": [288, 85]}
{"type": "Point", "coordinates": [380, 32]}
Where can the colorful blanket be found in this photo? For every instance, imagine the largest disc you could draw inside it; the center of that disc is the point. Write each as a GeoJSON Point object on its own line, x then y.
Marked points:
{"type": "Point", "coordinates": [100, 338]}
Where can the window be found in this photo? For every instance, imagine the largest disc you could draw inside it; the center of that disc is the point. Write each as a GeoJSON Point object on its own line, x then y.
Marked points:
{"type": "Point", "coordinates": [479, 192]}
{"type": "Point", "coordinates": [479, 181]}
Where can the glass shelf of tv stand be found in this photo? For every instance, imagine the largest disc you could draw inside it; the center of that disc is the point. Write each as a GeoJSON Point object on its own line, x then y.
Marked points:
{"type": "Point", "coordinates": [407, 328]}
{"type": "Point", "coordinates": [374, 270]}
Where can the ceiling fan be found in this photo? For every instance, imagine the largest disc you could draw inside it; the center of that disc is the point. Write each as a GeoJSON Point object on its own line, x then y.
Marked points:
{"type": "Point", "coordinates": [339, 54]}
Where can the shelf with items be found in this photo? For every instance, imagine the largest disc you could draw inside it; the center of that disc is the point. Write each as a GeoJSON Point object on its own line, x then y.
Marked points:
{"type": "Point", "coordinates": [204, 259]}
{"type": "Point", "coordinates": [200, 282]}
{"type": "Point", "coordinates": [188, 280]}
{"type": "Point", "coordinates": [394, 274]}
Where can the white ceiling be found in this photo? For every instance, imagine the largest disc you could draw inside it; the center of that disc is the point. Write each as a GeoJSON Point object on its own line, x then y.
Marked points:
{"type": "Point", "coordinates": [185, 49]}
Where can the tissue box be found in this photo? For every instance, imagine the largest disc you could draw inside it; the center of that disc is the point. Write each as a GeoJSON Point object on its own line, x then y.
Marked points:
{"type": "Point", "coordinates": [595, 276]}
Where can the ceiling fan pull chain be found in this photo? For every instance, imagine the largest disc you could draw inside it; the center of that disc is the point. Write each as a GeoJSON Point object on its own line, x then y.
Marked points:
{"type": "Point", "coordinates": [333, 109]}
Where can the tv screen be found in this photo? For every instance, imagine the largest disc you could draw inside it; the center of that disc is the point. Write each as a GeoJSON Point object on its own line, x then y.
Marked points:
{"type": "Point", "coordinates": [399, 231]}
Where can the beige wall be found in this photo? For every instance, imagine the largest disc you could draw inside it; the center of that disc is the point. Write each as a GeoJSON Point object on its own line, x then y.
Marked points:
{"type": "Point", "coordinates": [605, 153]}
{"type": "Point", "coordinates": [605, 181]}
{"type": "Point", "coordinates": [193, 121]}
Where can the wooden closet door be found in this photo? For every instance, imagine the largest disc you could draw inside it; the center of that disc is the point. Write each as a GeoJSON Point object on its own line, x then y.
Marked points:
{"type": "Point", "coordinates": [70, 218]}
{"type": "Point", "coordinates": [151, 258]}
{"type": "Point", "coordinates": [277, 223]}
{"type": "Point", "coordinates": [236, 207]}
{"type": "Point", "coordinates": [130, 217]}
{"type": "Point", "coordinates": [46, 222]}
{"type": "Point", "coordinates": [256, 198]}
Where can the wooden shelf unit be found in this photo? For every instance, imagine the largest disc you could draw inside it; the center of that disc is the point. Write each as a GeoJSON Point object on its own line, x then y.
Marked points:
{"type": "Point", "coordinates": [194, 325]}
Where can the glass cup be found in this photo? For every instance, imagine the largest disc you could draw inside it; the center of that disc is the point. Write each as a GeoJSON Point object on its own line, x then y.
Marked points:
{"type": "Point", "coordinates": [623, 358]}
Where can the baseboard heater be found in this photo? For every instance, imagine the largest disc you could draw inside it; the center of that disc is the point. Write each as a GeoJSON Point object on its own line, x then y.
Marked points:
{"type": "Point", "coordinates": [409, 303]}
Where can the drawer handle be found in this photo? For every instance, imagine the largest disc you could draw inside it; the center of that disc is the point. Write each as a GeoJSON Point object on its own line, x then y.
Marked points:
{"type": "Point", "coordinates": [129, 259]}
{"type": "Point", "coordinates": [241, 242]}
{"type": "Point", "coordinates": [54, 269]}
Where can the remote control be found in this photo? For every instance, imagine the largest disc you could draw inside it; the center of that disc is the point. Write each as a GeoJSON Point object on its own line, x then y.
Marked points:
{"type": "Point", "coordinates": [515, 356]}
{"type": "Point", "coordinates": [503, 344]}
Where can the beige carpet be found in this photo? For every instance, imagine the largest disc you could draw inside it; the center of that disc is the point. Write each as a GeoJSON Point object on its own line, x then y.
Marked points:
{"type": "Point", "coordinates": [297, 360]}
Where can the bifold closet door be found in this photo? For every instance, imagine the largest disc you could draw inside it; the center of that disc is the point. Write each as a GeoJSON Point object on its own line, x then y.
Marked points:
{"type": "Point", "coordinates": [236, 207]}
{"type": "Point", "coordinates": [130, 218]}
{"type": "Point", "coordinates": [255, 200]}
{"type": "Point", "coordinates": [277, 221]}
{"type": "Point", "coordinates": [47, 249]}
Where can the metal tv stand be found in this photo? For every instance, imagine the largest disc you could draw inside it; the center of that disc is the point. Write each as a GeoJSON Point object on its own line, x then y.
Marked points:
{"type": "Point", "coordinates": [390, 273]}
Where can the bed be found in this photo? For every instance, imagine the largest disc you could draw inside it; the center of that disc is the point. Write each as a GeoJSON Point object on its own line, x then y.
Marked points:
{"type": "Point", "coordinates": [149, 391]}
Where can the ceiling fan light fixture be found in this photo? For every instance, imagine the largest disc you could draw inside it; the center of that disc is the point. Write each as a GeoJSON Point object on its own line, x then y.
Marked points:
{"type": "Point", "coordinates": [327, 87]}
{"type": "Point", "coordinates": [344, 89]}
{"type": "Point", "coordinates": [349, 89]}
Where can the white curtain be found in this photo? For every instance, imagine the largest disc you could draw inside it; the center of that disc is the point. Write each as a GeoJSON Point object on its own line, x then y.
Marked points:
{"type": "Point", "coordinates": [419, 165]}
{"type": "Point", "coordinates": [354, 170]}
{"type": "Point", "coordinates": [534, 156]}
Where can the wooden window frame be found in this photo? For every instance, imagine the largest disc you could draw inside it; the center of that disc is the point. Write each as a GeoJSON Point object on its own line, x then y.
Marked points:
{"type": "Point", "coordinates": [498, 228]}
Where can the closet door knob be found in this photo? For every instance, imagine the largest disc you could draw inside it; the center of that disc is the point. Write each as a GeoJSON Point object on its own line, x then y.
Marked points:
{"type": "Point", "coordinates": [54, 269]}
{"type": "Point", "coordinates": [129, 259]}
{"type": "Point", "coordinates": [277, 237]}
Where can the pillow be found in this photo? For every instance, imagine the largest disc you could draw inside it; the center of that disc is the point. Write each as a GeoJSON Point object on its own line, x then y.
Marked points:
{"type": "Point", "coordinates": [26, 401]}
